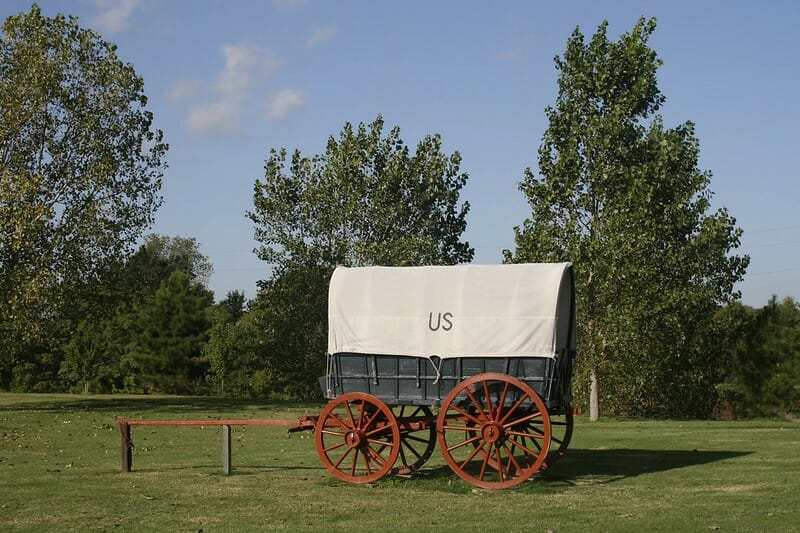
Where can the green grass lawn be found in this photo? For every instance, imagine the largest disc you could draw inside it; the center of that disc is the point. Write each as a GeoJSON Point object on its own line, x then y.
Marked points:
{"type": "Point", "coordinates": [60, 471]}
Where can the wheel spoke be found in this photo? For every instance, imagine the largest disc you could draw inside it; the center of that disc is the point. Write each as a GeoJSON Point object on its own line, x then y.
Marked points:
{"type": "Point", "coordinates": [382, 443]}
{"type": "Point", "coordinates": [350, 414]}
{"type": "Point", "coordinates": [335, 418]}
{"type": "Point", "coordinates": [488, 396]}
{"type": "Point", "coordinates": [524, 448]}
{"type": "Point", "coordinates": [375, 456]}
{"type": "Point", "coordinates": [520, 421]}
{"type": "Point", "coordinates": [534, 430]}
{"type": "Point", "coordinates": [526, 435]}
{"type": "Point", "coordinates": [502, 401]}
{"type": "Point", "coordinates": [475, 403]}
{"type": "Point", "coordinates": [379, 429]}
{"type": "Point", "coordinates": [415, 439]}
{"type": "Point", "coordinates": [370, 421]}
{"type": "Point", "coordinates": [341, 459]}
{"type": "Point", "coordinates": [335, 446]}
{"type": "Point", "coordinates": [499, 463]}
{"type": "Point", "coordinates": [412, 450]}
{"type": "Point", "coordinates": [334, 433]}
{"type": "Point", "coordinates": [416, 445]}
{"type": "Point", "coordinates": [464, 442]}
{"type": "Point", "coordinates": [471, 456]}
{"type": "Point", "coordinates": [366, 462]}
{"type": "Point", "coordinates": [486, 457]}
{"type": "Point", "coordinates": [465, 429]}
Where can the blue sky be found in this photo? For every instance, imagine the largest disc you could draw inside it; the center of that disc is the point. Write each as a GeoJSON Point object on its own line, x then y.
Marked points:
{"type": "Point", "coordinates": [228, 80]}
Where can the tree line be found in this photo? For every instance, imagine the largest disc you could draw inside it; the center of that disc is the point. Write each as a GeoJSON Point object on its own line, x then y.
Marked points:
{"type": "Point", "coordinates": [94, 303]}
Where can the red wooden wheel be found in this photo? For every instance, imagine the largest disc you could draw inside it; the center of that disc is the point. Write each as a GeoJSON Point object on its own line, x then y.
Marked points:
{"type": "Point", "coordinates": [485, 431]}
{"type": "Point", "coordinates": [416, 444]}
{"type": "Point", "coordinates": [357, 437]}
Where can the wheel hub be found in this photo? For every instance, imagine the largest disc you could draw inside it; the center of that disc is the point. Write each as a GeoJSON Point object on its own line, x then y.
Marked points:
{"type": "Point", "coordinates": [354, 438]}
{"type": "Point", "coordinates": [492, 432]}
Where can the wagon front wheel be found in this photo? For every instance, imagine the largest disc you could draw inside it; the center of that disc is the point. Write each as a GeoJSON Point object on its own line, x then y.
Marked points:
{"type": "Point", "coordinates": [357, 438]}
{"type": "Point", "coordinates": [485, 431]}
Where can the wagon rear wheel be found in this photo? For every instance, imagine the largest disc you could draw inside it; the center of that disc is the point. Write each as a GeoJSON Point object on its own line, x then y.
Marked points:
{"type": "Point", "coordinates": [417, 445]}
{"type": "Point", "coordinates": [357, 438]}
{"type": "Point", "coordinates": [485, 431]}
{"type": "Point", "coordinates": [561, 425]}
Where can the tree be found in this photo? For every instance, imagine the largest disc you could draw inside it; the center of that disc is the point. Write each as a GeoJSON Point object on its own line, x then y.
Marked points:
{"type": "Point", "coordinates": [366, 201]}
{"type": "Point", "coordinates": [96, 351]}
{"type": "Point", "coordinates": [84, 354]}
{"type": "Point", "coordinates": [235, 304]}
{"type": "Point", "coordinates": [765, 371]}
{"type": "Point", "coordinates": [80, 170]}
{"type": "Point", "coordinates": [171, 333]}
{"type": "Point", "coordinates": [158, 257]}
{"type": "Point", "coordinates": [231, 347]}
{"type": "Point", "coordinates": [622, 197]}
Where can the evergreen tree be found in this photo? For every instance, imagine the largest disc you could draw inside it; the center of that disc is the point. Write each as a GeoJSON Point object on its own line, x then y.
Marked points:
{"type": "Point", "coordinates": [172, 330]}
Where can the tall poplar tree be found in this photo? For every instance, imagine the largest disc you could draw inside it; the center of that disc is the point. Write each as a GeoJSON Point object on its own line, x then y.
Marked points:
{"type": "Point", "coordinates": [622, 197]}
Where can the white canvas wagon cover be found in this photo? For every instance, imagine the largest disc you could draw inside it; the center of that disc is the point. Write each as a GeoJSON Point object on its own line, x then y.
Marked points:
{"type": "Point", "coordinates": [453, 311]}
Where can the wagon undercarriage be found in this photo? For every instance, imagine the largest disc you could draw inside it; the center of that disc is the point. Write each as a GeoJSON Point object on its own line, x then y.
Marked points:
{"type": "Point", "coordinates": [493, 430]}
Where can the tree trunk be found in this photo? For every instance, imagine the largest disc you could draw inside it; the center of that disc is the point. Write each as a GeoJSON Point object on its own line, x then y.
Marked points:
{"type": "Point", "coordinates": [86, 387]}
{"type": "Point", "coordinates": [594, 404]}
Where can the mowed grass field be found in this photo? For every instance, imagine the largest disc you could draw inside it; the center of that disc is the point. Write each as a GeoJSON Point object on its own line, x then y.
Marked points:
{"type": "Point", "coordinates": [60, 471]}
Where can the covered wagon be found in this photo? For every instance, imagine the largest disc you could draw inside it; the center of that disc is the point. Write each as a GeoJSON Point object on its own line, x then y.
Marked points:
{"type": "Point", "coordinates": [475, 357]}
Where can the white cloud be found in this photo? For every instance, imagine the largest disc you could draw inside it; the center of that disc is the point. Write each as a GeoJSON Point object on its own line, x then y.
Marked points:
{"type": "Point", "coordinates": [244, 64]}
{"type": "Point", "coordinates": [182, 90]}
{"type": "Point", "coordinates": [284, 101]}
{"type": "Point", "coordinates": [228, 99]}
{"type": "Point", "coordinates": [321, 34]}
{"type": "Point", "coordinates": [244, 68]}
{"type": "Point", "coordinates": [113, 15]}
{"type": "Point", "coordinates": [217, 117]}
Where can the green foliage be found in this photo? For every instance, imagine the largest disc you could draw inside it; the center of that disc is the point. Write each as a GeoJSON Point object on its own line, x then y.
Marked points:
{"type": "Point", "coordinates": [171, 332]}
{"type": "Point", "coordinates": [293, 311]}
{"type": "Point", "coordinates": [80, 173]}
{"type": "Point", "coordinates": [235, 304]}
{"type": "Point", "coordinates": [84, 354]}
{"type": "Point", "coordinates": [366, 201]}
{"type": "Point", "coordinates": [764, 377]}
{"type": "Point", "coordinates": [159, 256]}
{"type": "Point", "coordinates": [109, 350]}
{"type": "Point", "coordinates": [236, 350]}
{"type": "Point", "coordinates": [622, 197]}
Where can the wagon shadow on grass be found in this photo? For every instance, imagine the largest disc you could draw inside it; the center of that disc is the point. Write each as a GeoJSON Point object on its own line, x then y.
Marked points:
{"type": "Point", "coordinates": [589, 467]}
{"type": "Point", "coordinates": [605, 466]}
